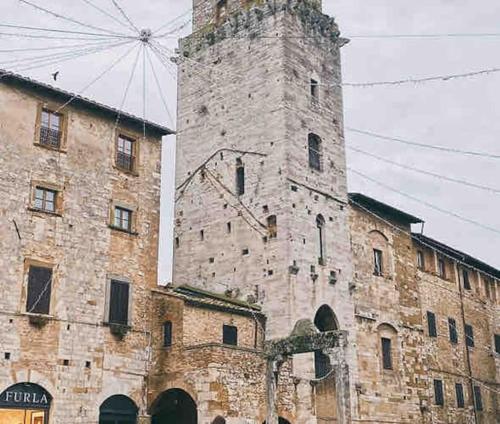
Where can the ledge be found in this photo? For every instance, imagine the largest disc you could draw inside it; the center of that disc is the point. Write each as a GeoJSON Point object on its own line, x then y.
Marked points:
{"type": "Point", "coordinates": [121, 230]}
{"type": "Point", "coordinates": [47, 147]}
{"type": "Point", "coordinates": [41, 211]}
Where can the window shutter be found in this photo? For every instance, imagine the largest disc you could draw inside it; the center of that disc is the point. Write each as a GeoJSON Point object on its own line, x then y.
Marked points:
{"type": "Point", "coordinates": [459, 390]}
{"type": "Point", "coordinates": [478, 400]}
{"type": "Point", "coordinates": [438, 392]}
{"type": "Point", "coordinates": [469, 335]}
{"type": "Point", "coordinates": [167, 333]}
{"type": "Point", "coordinates": [431, 324]}
{"type": "Point", "coordinates": [119, 302]}
{"type": "Point", "coordinates": [230, 335]}
{"type": "Point", "coordinates": [39, 290]}
{"type": "Point", "coordinates": [452, 326]}
{"type": "Point", "coordinates": [386, 354]}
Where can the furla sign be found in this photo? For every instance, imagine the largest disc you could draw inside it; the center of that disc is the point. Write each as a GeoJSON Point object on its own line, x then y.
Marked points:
{"type": "Point", "coordinates": [25, 395]}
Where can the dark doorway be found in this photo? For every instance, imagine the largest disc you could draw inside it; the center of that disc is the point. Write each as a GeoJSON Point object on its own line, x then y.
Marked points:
{"type": "Point", "coordinates": [118, 409]}
{"type": "Point", "coordinates": [281, 420]}
{"type": "Point", "coordinates": [174, 406]}
{"type": "Point", "coordinates": [325, 319]}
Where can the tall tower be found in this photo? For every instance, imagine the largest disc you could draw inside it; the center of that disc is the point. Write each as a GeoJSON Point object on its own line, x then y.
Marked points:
{"type": "Point", "coordinates": [261, 207]}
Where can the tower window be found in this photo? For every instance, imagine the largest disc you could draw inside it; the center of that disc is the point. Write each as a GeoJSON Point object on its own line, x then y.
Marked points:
{"type": "Point", "coordinates": [320, 224]}
{"type": "Point", "coordinates": [230, 335]}
{"type": "Point", "coordinates": [465, 279]}
{"type": "Point", "coordinates": [377, 262]}
{"type": "Point", "coordinates": [420, 260]}
{"type": "Point", "coordinates": [314, 143]}
{"type": "Point", "coordinates": [452, 326]}
{"type": "Point", "coordinates": [314, 90]}
{"type": "Point", "coordinates": [167, 333]}
{"type": "Point", "coordinates": [228, 227]}
{"type": "Point", "coordinates": [459, 391]}
{"type": "Point", "coordinates": [240, 177]}
{"type": "Point", "coordinates": [431, 324]}
{"type": "Point", "coordinates": [386, 353]}
{"type": "Point", "coordinates": [469, 335]}
{"type": "Point", "coordinates": [478, 400]}
{"type": "Point", "coordinates": [441, 268]}
{"type": "Point", "coordinates": [438, 393]}
{"type": "Point", "coordinates": [220, 11]}
{"type": "Point", "coordinates": [272, 226]}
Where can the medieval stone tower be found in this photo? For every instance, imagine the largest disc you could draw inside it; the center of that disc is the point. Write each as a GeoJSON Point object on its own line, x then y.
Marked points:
{"type": "Point", "coordinates": [261, 204]}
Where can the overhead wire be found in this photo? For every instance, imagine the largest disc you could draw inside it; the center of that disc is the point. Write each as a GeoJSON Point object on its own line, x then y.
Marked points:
{"type": "Point", "coordinates": [171, 22]}
{"type": "Point", "coordinates": [57, 47]}
{"type": "Point", "coordinates": [125, 16]}
{"type": "Point", "coordinates": [65, 31]}
{"type": "Point", "coordinates": [104, 12]}
{"type": "Point", "coordinates": [424, 172]}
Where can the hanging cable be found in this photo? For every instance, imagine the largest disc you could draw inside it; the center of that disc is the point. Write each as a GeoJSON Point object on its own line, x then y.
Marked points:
{"type": "Point", "coordinates": [58, 47]}
{"type": "Point", "coordinates": [104, 12]}
{"type": "Point", "coordinates": [64, 31]}
{"type": "Point", "coordinates": [172, 21]}
{"type": "Point", "coordinates": [122, 12]}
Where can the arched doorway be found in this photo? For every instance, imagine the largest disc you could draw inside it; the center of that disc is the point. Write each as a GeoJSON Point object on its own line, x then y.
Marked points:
{"type": "Point", "coordinates": [25, 403]}
{"type": "Point", "coordinates": [325, 319]}
{"type": "Point", "coordinates": [219, 420]}
{"type": "Point", "coordinates": [281, 420]}
{"type": "Point", "coordinates": [175, 406]}
{"type": "Point", "coordinates": [118, 409]}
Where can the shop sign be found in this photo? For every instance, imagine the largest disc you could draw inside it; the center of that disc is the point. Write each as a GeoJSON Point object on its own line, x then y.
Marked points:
{"type": "Point", "coordinates": [25, 395]}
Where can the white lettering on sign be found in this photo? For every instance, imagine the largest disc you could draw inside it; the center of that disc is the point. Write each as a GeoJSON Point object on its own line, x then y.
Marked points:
{"type": "Point", "coordinates": [33, 398]}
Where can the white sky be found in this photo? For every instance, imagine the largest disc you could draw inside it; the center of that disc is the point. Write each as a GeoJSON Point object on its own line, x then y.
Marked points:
{"type": "Point", "coordinates": [460, 113]}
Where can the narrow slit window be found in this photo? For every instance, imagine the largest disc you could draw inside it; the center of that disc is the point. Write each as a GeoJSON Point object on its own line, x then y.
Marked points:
{"type": "Point", "coordinates": [438, 393]}
{"type": "Point", "coordinates": [497, 343]}
{"type": "Point", "coordinates": [441, 268]}
{"type": "Point", "coordinates": [431, 324]}
{"type": "Point", "coordinates": [478, 399]}
{"type": "Point", "coordinates": [320, 225]}
{"type": "Point", "coordinates": [420, 260]}
{"type": "Point", "coordinates": [167, 334]}
{"type": "Point", "coordinates": [39, 290]}
{"type": "Point", "coordinates": [314, 86]}
{"type": "Point", "coordinates": [459, 391]}
{"type": "Point", "coordinates": [378, 266]}
{"type": "Point", "coordinates": [386, 353]}
{"type": "Point", "coordinates": [466, 279]}
{"type": "Point", "coordinates": [469, 335]}
{"type": "Point", "coordinates": [119, 302]}
{"type": "Point", "coordinates": [452, 326]}
{"type": "Point", "coordinates": [240, 177]}
{"type": "Point", "coordinates": [50, 129]}
{"type": "Point", "coordinates": [314, 144]}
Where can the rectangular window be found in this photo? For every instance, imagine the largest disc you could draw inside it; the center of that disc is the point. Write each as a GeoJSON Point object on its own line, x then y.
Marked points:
{"type": "Point", "coordinates": [50, 129]}
{"type": "Point", "coordinates": [39, 290]}
{"type": "Point", "coordinates": [438, 393]}
{"type": "Point", "coordinates": [420, 260]}
{"type": "Point", "coordinates": [497, 343]}
{"type": "Point", "coordinates": [469, 335]}
{"type": "Point", "coordinates": [240, 180]}
{"type": "Point", "coordinates": [459, 390]}
{"type": "Point", "coordinates": [230, 335]}
{"type": "Point", "coordinates": [167, 333]}
{"type": "Point", "coordinates": [386, 354]}
{"type": "Point", "coordinates": [119, 302]}
{"type": "Point", "coordinates": [441, 268]}
{"type": "Point", "coordinates": [478, 400]}
{"type": "Point", "coordinates": [45, 199]}
{"type": "Point", "coordinates": [377, 262]}
{"type": "Point", "coordinates": [465, 279]}
{"type": "Point", "coordinates": [220, 11]}
{"type": "Point", "coordinates": [125, 152]}
{"type": "Point", "coordinates": [314, 90]}
{"type": "Point", "coordinates": [314, 145]}
{"type": "Point", "coordinates": [123, 219]}
{"type": "Point", "coordinates": [452, 326]}
{"type": "Point", "coordinates": [431, 324]}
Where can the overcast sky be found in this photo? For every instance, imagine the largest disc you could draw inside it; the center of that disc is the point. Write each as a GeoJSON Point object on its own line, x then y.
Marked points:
{"type": "Point", "coordinates": [460, 114]}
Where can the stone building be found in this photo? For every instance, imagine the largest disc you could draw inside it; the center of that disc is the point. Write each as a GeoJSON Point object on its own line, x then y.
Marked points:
{"type": "Point", "coordinates": [79, 225]}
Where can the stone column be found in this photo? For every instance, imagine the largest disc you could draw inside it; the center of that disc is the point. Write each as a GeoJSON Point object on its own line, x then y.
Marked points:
{"type": "Point", "coordinates": [342, 383]}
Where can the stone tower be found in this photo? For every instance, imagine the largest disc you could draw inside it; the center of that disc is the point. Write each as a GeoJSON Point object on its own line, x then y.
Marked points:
{"type": "Point", "coordinates": [261, 204]}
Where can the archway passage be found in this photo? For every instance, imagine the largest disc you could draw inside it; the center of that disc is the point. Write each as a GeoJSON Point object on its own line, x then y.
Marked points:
{"type": "Point", "coordinates": [25, 403]}
{"type": "Point", "coordinates": [174, 406]}
{"type": "Point", "coordinates": [118, 409]}
{"type": "Point", "coordinates": [325, 319]}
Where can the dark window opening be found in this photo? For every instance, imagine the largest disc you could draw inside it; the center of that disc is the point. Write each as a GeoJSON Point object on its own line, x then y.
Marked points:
{"type": "Point", "coordinates": [420, 260]}
{"type": "Point", "coordinates": [431, 324]}
{"type": "Point", "coordinates": [228, 227]}
{"type": "Point", "coordinates": [441, 268]}
{"type": "Point", "coordinates": [465, 279]}
{"type": "Point", "coordinates": [220, 11]}
{"type": "Point", "coordinates": [125, 152]}
{"type": "Point", "coordinates": [45, 199]}
{"type": "Point", "coordinates": [377, 262]}
{"type": "Point", "coordinates": [452, 327]}
{"type": "Point", "coordinates": [177, 242]}
{"type": "Point", "coordinates": [202, 235]}
{"type": "Point", "coordinates": [230, 335]}
{"type": "Point", "coordinates": [66, 362]}
{"type": "Point", "coordinates": [88, 364]}
{"type": "Point", "coordinates": [459, 390]}
{"type": "Point", "coordinates": [240, 177]}
{"type": "Point", "coordinates": [39, 290]}
{"type": "Point", "coordinates": [478, 400]}
{"type": "Point", "coordinates": [314, 143]}
{"type": "Point", "coordinates": [314, 90]}
{"type": "Point", "coordinates": [167, 333]}
{"type": "Point", "coordinates": [469, 335]}
{"type": "Point", "coordinates": [272, 226]}
{"type": "Point", "coordinates": [438, 393]}
{"type": "Point", "coordinates": [7, 356]}
{"type": "Point", "coordinates": [497, 343]}
{"type": "Point", "coordinates": [387, 353]}
{"type": "Point", "coordinates": [119, 302]}
{"type": "Point", "coordinates": [51, 129]}
{"type": "Point", "coordinates": [320, 224]}
{"type": "Point", "coordinates": [245, 252]}
{"type": "Point", "coordinates": [123, 219]}
{"type": "Point", "coordinates": [322, 364]}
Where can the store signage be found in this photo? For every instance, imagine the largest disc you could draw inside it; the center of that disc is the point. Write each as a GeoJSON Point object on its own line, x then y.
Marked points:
{"type": "Point", "coordinates": [25, 395]}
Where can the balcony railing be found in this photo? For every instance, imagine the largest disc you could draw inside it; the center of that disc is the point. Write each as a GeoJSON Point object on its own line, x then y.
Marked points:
{"type": "Point", "coordinates": [50, 137]}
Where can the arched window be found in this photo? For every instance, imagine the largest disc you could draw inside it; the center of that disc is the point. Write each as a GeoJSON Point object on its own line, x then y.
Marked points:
{"type": "Point", "coordinates": [118, 409]}
{"type": "Point", "coordinates": [240, 177]}
{"type": "Point", "coordinates": [320, 224]}
{"type": "Point", "coordinates": [314, 143]}
{"type": "Point", "coordinates": [174, 406]}
{"type": "Point", "coordinates": [380, 254]}
{"type": "Point", "coordinates": [387, 335]}
{"type": "Point", "coordinates": [219, 420]}
{"type": "Point", "coordinates": [325, 319]}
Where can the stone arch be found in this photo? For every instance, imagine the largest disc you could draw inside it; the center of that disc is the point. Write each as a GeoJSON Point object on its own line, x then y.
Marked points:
{"type": "Point", "coordinates": [118, 409]}
{"type": "Point", "coordinates": [23, 402]}
{"type": "Point", "coordinates": [219, 420]}
{"type": "Point", "coordinates": [325, 319]}
{"type": "Point", "coordinates": [174, 406]}
{"type": "Point", "coordinates": [380, 253]}
{"type": "Point", "coordinates": [387, 340]}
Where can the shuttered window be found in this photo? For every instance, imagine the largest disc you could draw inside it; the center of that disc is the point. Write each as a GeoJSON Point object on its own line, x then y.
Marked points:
{"type": "Point", "coordinates": [167, 333]}
{"type": "Point", "coordinates": [230, 335]}
{"type": "Point", "coordinates": [478, 400]}
{"type": "Point", "coordinates": [377, 262]}
{"type": "Point", "coordinates": [39, 290]}
{"type": "Point", "coordinates": [469, 335]}
{"type": "Point", "coordinates": [438, 393]}
{"type": "Point", "coordinates": [459, 390]}
{"type": "Point", "coordinates": [452, 326]}
{"type": "Point", "coordinates": [386, 353]}
{"type": "Point", "coordinates": [431, 324]}
{"type": "Point", "coordinates": [119, 302]}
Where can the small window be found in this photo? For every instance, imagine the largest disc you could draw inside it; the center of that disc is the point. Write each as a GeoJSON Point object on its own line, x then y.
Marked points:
{"type": "Point", "coordinates": [377, 262]}
{"type": "Point", "coordinates": [459, 390]}
{"type": "Point", "coordinates": [386, 353]}
{"type": "Point", "coordinates": [51, 129]}
{"type": "Point", "coordinates": [314, 90]}
{"type": "Point", "coordinates": [272, 226]}
{"type": "Point", "coordinates": [452, 327]}
{"type": "Point", "coordinates": [469, 335]}
{"type": "Point", "coordinates": [220, 11]}
{"type": "Point", "coordinates": [45, 199]}
{"type": "Point", "coordinates": [202, 235]}
{"type": "Point", "coordinates": [123, 219]}
{"type": "Point", "coordinates": [240, 177]}
{"type": "Point", "coordinates": [230, 335]}
{"type": "Point", "coordinates": [497, 343]}
{"type": "Point", "coordinates": [167, 333]}
{"type": "Point", "coordinates": [228, 228]}
{"type": "Point", "coordinates": [314, 143]}
{"type": "Point", "coordinates": [320, 225]}
{"type": "Point", "coordinates": [420, 260]}
{"type": "Point", "coordinates": [441, 268]}
{"type": "Point", "coordinates": [478, 399]}
{"type": "Point", "coordinates": [125, 153]}
{"type": "Point", "coordinates": [431, 324]}
{"type": "Point", "coordinates": [39, 290]}
{"type": "Point", "coordinates": [466, 279]}
{"type": "Point", "coordinates": [438, 393]}
{"type": "Point", "coordinates": [119, 302]}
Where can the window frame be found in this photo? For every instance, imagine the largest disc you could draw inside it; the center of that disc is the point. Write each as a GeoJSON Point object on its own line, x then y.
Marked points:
{"type": "Point", "coordinates": [460, 395]}
{"type": "Point", "coordinates": [132, 217]}
{"type": "Point", "coordinates": [133, 156]}
{"type": "Point", "coordinates": [108, 311]}
{"type": "Point", "coordinates": [387, 356]}
{"type": "Point", "coordinates": [46, 292]}
{"type": "Point", "coordinates": [378, 262]}
{"type": "Point", "coordinates": [441, 263]}
{"type": "Point", "coordinates": [466, 279]}
{"type": "Point", "coordinates": [453, 330]}
{"type": "Point", "coordinates": [420, 260]}
{"type": "Point", "coordinates": [44, 200]}
{"type": "Point", "coordinates": [167, 331]}
{"type": "Point", "coordinates": [469, 335]}
{"type": "Point", "coordinates": [431, 329]}
{"type": "Point", "coordinates": [438, 392]}
{"type": "Point", "coordinates": [315, 153]}
{"type": "Point", "coordinates": [229, 335]}
{"type": "Point", "coordinates": [496, 343]}
{"type": "Point", "coordinates": [478, 398]}
{"type": "Point", "coordinates": [62, 127]}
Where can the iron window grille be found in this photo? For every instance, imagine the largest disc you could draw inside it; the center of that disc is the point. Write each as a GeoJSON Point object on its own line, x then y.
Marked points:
{"type": "Point", "coordinates": [125, 150]}
{"type": "Point", "coordinates": [50, 129]}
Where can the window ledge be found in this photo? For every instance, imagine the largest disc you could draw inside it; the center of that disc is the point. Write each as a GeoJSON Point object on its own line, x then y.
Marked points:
{"type": "Point", "coordinates": [55, 214]}
{"type": "Point", "coordinates": [47, 147]}
{"type": "Point", "coordinates": [121, 230]}
{"type": "Point", "coordinates": [132, 173]}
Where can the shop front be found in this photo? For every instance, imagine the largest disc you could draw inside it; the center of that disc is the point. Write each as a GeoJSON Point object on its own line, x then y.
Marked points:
{"type": "Point", "coordinates": [25, 403]}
